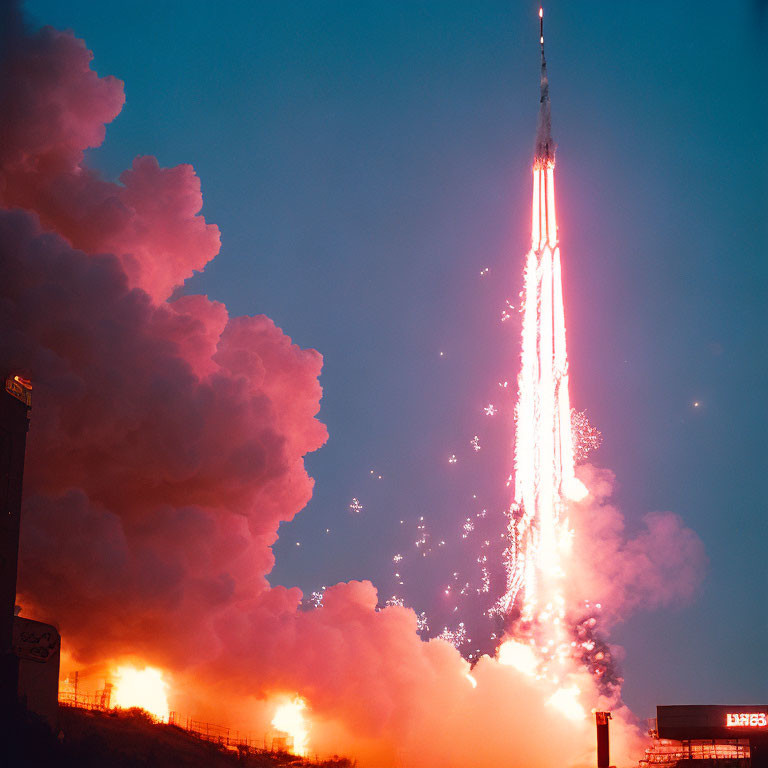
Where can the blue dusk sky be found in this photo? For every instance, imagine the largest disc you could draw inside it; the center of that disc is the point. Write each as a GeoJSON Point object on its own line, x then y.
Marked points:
{"type": "Point", "coordinates": [365, 161]}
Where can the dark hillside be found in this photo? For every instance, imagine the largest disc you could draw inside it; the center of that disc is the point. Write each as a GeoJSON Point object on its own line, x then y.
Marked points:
{"type": "Point", "coordinates": [128, 739]}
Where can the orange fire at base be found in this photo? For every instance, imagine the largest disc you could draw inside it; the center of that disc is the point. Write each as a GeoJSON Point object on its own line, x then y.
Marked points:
{"type": "Point", "coordinates": [290, 720]}
{"type": "Point", "coordinates": [144, 688]}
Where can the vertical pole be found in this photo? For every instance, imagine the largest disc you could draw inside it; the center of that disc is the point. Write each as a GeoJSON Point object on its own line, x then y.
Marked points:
{"type": "Point", "coordinates": [603, 750]}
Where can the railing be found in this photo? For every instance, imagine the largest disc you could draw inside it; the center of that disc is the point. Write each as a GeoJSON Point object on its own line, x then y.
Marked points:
{"type": "Point", "coordinates": [219, 734]}
{"type": "Point", "coordinates": [225, 737]}
{"type": "Point", "coordinates": [666, 752]}
{"type": "Point", "coordinates": [82, 700]}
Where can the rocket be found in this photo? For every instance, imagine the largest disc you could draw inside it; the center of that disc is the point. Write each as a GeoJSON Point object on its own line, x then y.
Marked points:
{"type": "Point", "coordinates": [545, 146]}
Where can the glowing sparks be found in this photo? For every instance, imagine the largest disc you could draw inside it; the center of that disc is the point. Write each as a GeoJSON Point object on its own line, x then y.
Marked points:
{"type": "Point", "coordinates": [452, 459]}
{"type": "Point", "coordinates": [422, 542]}
{"type": "Point", "coordinates": [290, 720]}
{"type": "Point", "coordinates": [490, 409]}
{"type": "Point", "coordinates": [475, 443]}
{"type": "Point", "coordinates": [456, 637]}
{"type": "Point", "coordinates": [485, 581]}
{"type": "Point", "coordinates": [355, 506]}
{"type": "Point", "coordinates": [144, 688]}
{"type": "Point", "coordinates": [586, 438]}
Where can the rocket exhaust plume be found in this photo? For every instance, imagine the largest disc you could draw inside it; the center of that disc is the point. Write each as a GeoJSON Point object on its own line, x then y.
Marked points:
{"type": "Point", "coordinates": [544, 476]}
{"type": "Point", "coordinates": [554, 590]}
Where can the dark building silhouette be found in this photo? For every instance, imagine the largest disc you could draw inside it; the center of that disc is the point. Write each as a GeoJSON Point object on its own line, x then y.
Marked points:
{"type": "Point", "coordinates": [15, 403]}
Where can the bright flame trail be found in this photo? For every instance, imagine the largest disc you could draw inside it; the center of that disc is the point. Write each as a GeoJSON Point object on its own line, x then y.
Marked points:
{"type": "Point", "coordinates": [544, 479]}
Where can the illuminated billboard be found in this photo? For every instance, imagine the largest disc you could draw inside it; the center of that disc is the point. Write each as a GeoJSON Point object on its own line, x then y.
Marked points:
{"type": "Point", "coordinates": [712, 721]}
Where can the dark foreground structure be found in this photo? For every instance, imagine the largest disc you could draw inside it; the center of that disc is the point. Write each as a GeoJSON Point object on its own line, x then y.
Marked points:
{"type": "Point", "coordinates": [15, 402]}
{"type": "Point", "coordinates": [29, 650]}
{"type": "Point", "coordinates": [701, 736]}
{"type": "Point", "coordinates": [127, 739]}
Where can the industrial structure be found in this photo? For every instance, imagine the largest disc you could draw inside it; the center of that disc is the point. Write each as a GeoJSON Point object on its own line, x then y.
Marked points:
{"type": "Point", "coordinates": [603, 741]}
{"type": "Point", "coordinates": [720, 736]}
{"type": "Point", "coordinates": [15, 405]}
{"type": "Point", "coordinates": [29, 650]}
{"type": "Point", "coordinates": [37, 648]}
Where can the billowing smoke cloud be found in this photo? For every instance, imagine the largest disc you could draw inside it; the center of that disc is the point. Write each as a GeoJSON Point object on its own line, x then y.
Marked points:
{"type": "Point", "coordinates": [168, 437]}
{"type": "Point", "coordinates": [167, 445]}
{"type": "Point", "coordinates": [55, 108]}
{"type": "Point", "coordinates": [660, 565]}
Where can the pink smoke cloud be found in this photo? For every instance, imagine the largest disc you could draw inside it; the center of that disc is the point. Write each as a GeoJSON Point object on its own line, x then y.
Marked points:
{"type": "Point", "coordinates": [168, 437]}
{"type": "Point", "coordinates": [185, 478]}
{"type": "Point", "coordinates": [661, 565]}
{"type": "Point", "coordinates": [56, 107]}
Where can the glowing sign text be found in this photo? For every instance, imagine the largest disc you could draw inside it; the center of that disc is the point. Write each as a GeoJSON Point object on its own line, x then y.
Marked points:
{"type": "Point", "coordinates": [748, 719]}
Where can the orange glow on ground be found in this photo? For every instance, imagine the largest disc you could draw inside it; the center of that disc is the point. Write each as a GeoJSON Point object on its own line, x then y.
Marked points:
{"type": "Point", "coordinates": [143, 688]}
{"type": "Point", "coordinates": [290, 719]}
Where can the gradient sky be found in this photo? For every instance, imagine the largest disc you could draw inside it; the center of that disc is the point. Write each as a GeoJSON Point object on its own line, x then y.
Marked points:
{"type": "Point", "coordinates": [365, 160]}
